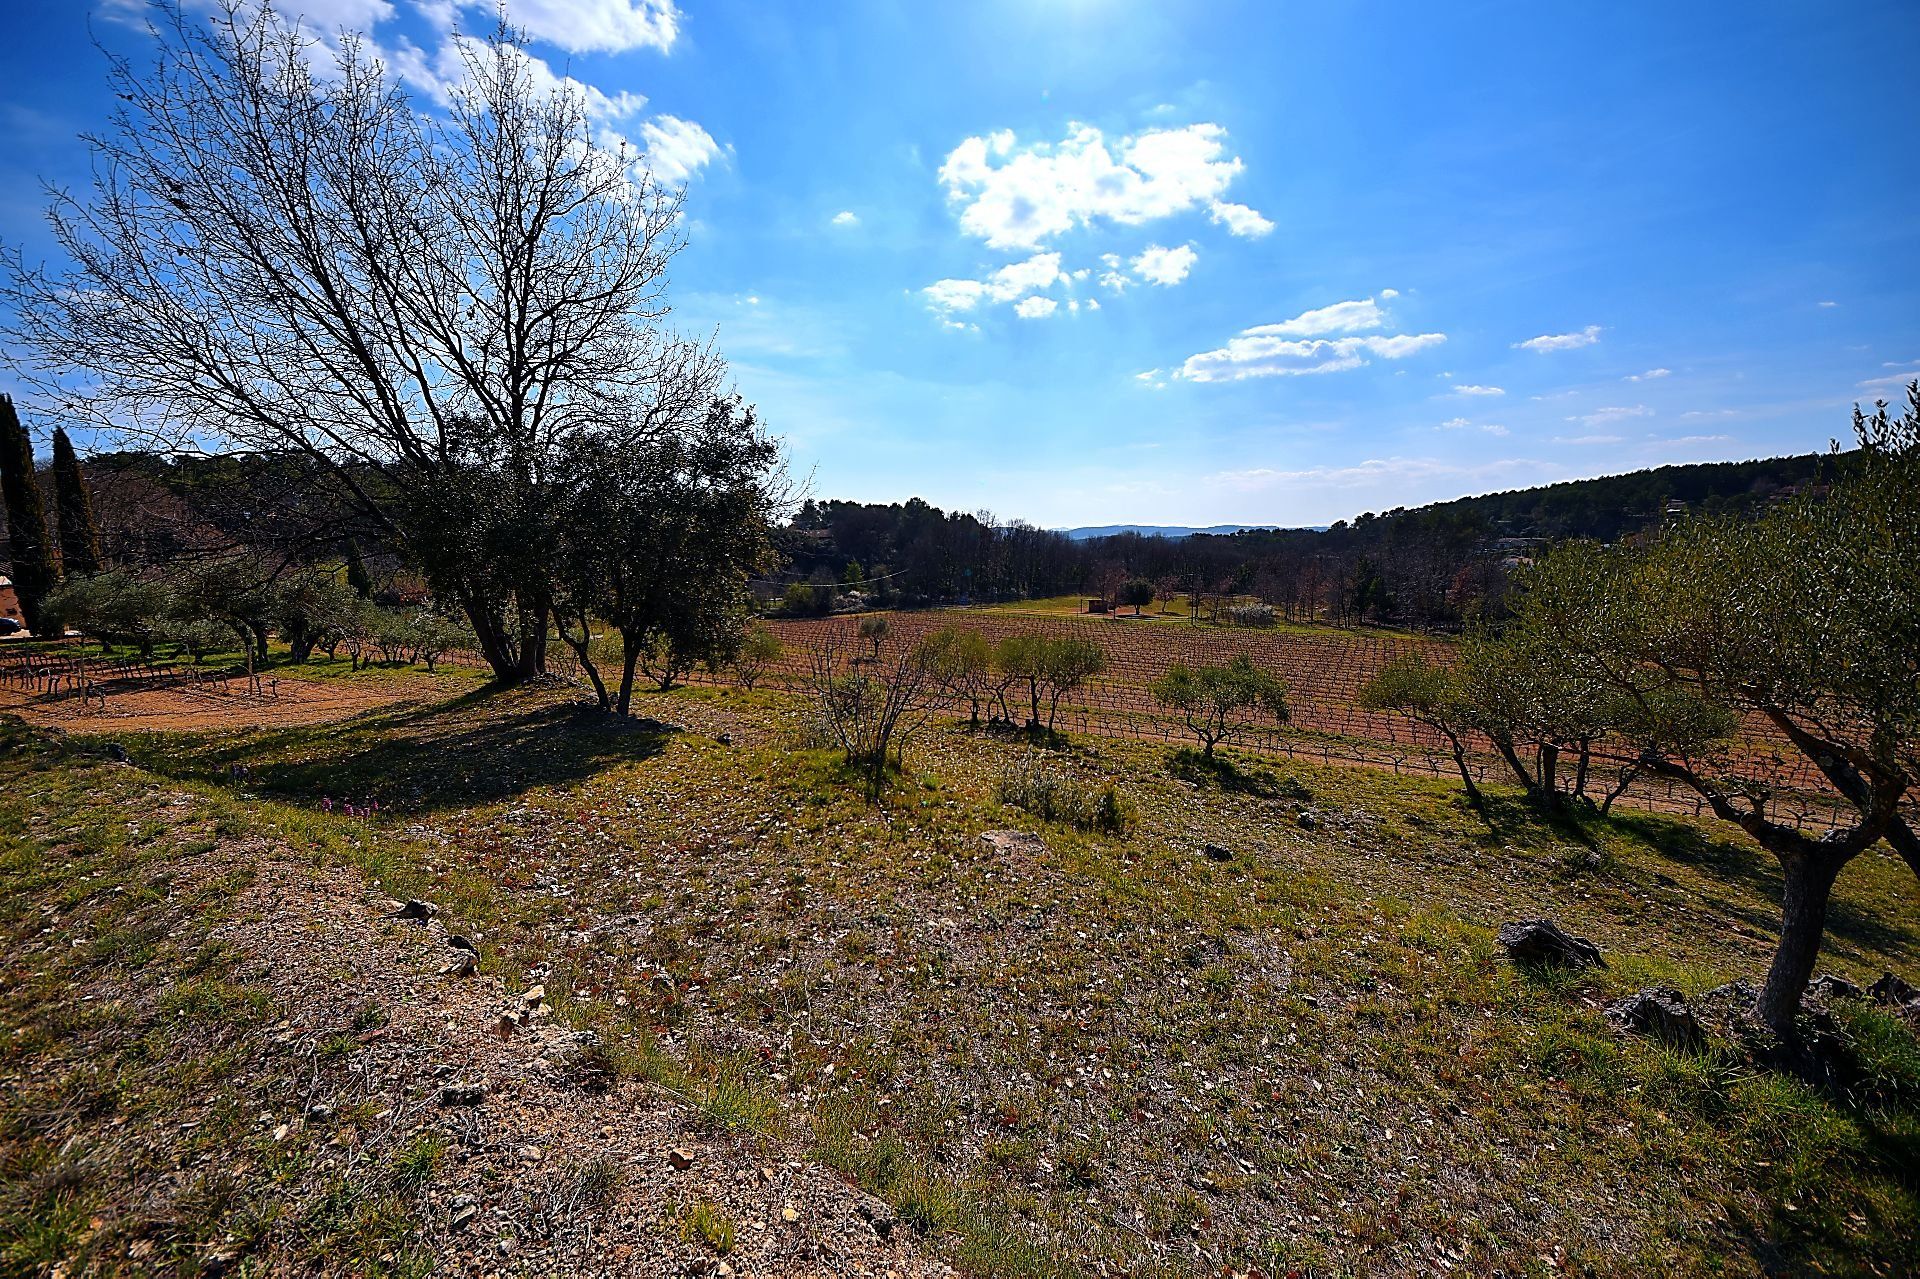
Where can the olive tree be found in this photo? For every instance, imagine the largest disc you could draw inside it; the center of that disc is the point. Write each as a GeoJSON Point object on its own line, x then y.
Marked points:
{"type": "Point", "coordinates": [759, 650]}
{"type": "Point", "coordinates": [962, 661]}
{"type": "Point", "coordinates": [1051, 667]}
{"type": "Point", "coordinates": [1429, 694]}
{"type": "Point", "coordinates": [1806, 618]}
{"type": "Point", "coordinates": [1220, 703]}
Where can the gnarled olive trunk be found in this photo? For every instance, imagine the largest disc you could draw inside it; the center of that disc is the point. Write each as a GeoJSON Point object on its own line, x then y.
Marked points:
{"type": "Point", "coordinates": [1809, 887]}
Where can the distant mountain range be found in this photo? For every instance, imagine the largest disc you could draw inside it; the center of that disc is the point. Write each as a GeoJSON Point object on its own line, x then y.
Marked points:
{"type": "Point", "coordinates": [1161, 530]}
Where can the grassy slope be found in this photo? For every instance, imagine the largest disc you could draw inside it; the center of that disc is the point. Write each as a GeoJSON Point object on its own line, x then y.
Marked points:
{"type": "Point", "coordinates": [137, 1053]}
{"type": "Point", "coordinates": [1305, 1058]}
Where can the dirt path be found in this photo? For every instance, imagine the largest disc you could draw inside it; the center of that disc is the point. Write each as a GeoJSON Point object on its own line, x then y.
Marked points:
{"type": "Point", "coordinates": [550, 1169]}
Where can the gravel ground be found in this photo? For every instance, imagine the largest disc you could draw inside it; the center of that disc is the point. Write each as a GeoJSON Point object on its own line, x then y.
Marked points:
{"type": "Point", "coordinates": [550, 1171]}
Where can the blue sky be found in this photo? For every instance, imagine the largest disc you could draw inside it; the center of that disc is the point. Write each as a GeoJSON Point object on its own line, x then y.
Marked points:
{"type": "Point", "coordinates": [1091, 261]}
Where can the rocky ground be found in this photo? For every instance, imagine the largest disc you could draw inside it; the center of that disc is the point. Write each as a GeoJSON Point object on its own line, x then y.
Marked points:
{"type": "Point", "coordinates": [355, 1059]}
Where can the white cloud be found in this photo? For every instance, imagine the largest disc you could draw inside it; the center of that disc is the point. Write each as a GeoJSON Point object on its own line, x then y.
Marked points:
{"type": "Point", "coordinates": [1249, 357]}
{"type": "Point", "coordinates": [1035, 308]}
{"type": "Point", "coordinates": [583, 26]}
{"type": "Point", "coordinates": [449, 72]}
{"type": "Point", "coordinates": [1494, 428]}
{"type": "Point", "coordinates": [1549, 342]}
{"type": "Point", "coordinates": [1587, 439]}
{"type": "Point", "coordinates": [1165, 266]}
{"type": "Point", "coordinates": [676, 149]}
{"type": "Point", "coordinates": [1017, 197]}
{"type": "Point", "coordinates": [846, 217]}
{"type": "Point", "coordinates": [1456, 423]}
{"type": "Point", "coordinates": [1296, 346]}
{"type": "Point", "coordinates": [1467, 388]}
{"type": "Point", "coordinates": [1041, 271]}
{"type": "Point", "coordinates": [1649, 375]}
{"type": "Point", "coordinates": [955, 295]}
{"type": "Point", "coordinates": [1341, 317]}
{"type": "Point", "coordinates": [1615, 413]}
{"type": "Point", "coordinates": [1829, 304]}
{"type": "Point", "coordinates": [1239, 219]}
{"type": "Point", "coordinates": [1699, 439]}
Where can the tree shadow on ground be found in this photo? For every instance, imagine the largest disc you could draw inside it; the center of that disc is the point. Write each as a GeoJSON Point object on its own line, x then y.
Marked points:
{"type": "Point", "coordinates": [1224, 773]}
{"type": "Point", "coordinates": [1757, 872]}
{"type": "Point", "coordinates": [1516, 819]}
{"type": "Point", "coordinates": [480, 747]}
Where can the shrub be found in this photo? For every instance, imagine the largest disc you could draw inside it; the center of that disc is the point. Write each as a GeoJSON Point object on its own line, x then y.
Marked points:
{"type": "Point", "coordinates": [760, 649]}
{"type": "Point", "coordinates": [1055, 795]}
{"type": "Point", "coordinates": [805, 599]}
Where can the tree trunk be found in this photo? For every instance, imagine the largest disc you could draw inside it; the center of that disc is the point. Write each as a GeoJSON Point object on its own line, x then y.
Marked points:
{"type": "Point", "coordinates": [629, 659]}
{"type": "Point", "coordinates": [492, 638]}
{"type": "Point", "coordinates": [1549, 774]}
{"type": "Point", "coordinates": [582, 653]}
{"type": "Point", "coordinates": [1474, 797]}
{"type": "Point", "coordinates": [1509, 754]}
{"type": "Point", "coordinates": [1809, 886]}
{"type": "Point", "coordinates": [1626, 779]}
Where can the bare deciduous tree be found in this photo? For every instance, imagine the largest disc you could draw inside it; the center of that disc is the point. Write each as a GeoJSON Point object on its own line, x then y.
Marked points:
{"type": "Point", "coordinates": [284, 259]}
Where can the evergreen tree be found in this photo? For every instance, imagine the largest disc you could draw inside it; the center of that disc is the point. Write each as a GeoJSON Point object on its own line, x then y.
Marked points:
{"type": "Point", "coordinates": [357, 576]}
{"type": "Point", "coordinates": [73, 508]}
{"type": "Point", "coordinates": [33, 568]}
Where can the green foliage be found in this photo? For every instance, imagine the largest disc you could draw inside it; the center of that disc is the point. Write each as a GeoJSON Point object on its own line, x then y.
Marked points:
{"type": "Point", "coordinates": [1051, 667]}
{"type": "Point", "coordinates": [660, 541]}
{"type": "Point", "coordinates": [28, 543]}
{"type": "Point", "coordinates": [358, 578]}
{"type": "Point", "coordinates": [1797, 617]}
{"type": "Point", "coordinates": [73, 505]}
{"type": "Point", "coordinates": [1220, 703]}
{"type": "Point", "coordinates": [1055, 794]}
{"type": "Point", "coordinates": [806, 599]}
{"type": "Point", "coordinates": [1138, 592]}
{"type": "Point", "coordinates": [759, 649]}
{"type": "Point", "coordinates": [873, 629]}
{"type": "Point", "coordinates": [705, 1223]}
{"type": "Point", "coordinates": [961, 660]}
{"type": "Point", "coordinates": [117, 608]}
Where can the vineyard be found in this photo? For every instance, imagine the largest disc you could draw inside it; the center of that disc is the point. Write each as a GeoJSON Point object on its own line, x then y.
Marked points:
{"type": "Point", "coordinates": [1325, 671]}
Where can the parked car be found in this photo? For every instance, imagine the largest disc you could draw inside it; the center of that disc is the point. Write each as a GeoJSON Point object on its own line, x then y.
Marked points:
{"type": "Point", "coordinates": [10, 626]}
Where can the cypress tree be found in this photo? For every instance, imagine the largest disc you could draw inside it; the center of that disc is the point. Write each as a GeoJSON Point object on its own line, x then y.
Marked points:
{"type": "Point", "coordinates": [73, 508]}
{"type": "Point", "coordinates": [27, 541]}
{"type": "Point", "coordinates": [357, 576]}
